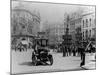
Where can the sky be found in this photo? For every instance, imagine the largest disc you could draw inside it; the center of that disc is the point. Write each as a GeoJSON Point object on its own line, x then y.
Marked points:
{"type": "Point", "coordinates": [52, 12]}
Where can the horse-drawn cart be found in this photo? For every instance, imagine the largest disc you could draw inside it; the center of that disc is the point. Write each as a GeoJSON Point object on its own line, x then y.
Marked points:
{"type": "Point", "coordinates": [21, 42]}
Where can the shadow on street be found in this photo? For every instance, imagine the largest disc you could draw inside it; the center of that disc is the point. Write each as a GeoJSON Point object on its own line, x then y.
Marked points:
{"type": "Point", "coordinates": [26, 63]}
{"type": "Point", "coordinates": [31, 64]}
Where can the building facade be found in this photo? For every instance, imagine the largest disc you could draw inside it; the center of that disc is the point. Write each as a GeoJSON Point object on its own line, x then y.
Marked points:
{"type": "Point", "coordinates": [56, 33]}
{"type": "Point", "coordinates": [75, 28]}
{"type": "Point", "coordinates": [24, 22]}
{"type": "Point", "coordinates": [59, 32]}
{"type": "Point", "coordinates": [88, 26]}
{"type": "Point", "coordinates": [82, 27]}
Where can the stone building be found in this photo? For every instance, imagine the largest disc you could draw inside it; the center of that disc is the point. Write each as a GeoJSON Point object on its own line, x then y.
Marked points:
{"type": "Point", "coordinates": [24, 24]}
{"type": "Point", "coordinates": [55, 33]}
{"type": "Point", "coordinates": [75, 28]}
{"type": "Point", "coordinates": [82, 26]}
{"type": "Point", "coordinates": [88, 26]}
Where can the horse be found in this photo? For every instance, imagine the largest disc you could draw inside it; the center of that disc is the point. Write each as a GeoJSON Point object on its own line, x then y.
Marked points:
{"type": "Point", "coordinates": [22, 46]}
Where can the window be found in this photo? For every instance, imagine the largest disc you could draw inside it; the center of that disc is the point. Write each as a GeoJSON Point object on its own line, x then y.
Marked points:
{"type": "Point", "coordinates": [83, 34]}
{"type": "Point", "coordinates": [86, 34]}
{"type": "Point", "coordinates": [86, 22]}
{"type": "Point", "coordinates": [90, 33]}
{"type": "Point", "coordinates": [83, 23]}
{"type": "Point", "coordinates": [90, 21]}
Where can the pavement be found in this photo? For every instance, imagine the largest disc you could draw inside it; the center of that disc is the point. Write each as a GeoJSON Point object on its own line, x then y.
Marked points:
{"type": "Point", "coordinates": [90, 61]}
{"type": "Point", "coordinates": [22, 63]}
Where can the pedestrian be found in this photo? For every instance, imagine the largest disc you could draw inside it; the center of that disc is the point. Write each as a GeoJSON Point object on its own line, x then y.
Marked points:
{"type": "Point", "coordinates": [76, 50]}
{"type": "Point", "coordinates": [82, 56]}
{"type": "Point", "coordinates": [64, 52]}
{"type": "Point", "coordinates": [73, 51]}
{"type": "Point", "coordinates": [79, 51]}
{"type": "Point", "coordinates": [70, 51]}
{"type": "Point", "coordinates": [67, 50]}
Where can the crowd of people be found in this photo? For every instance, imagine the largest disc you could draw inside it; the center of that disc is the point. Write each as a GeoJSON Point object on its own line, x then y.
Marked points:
{"type": "Point", "coordinates": [76, 50]}
{"type": "Point", "coordinates": [71, 51]}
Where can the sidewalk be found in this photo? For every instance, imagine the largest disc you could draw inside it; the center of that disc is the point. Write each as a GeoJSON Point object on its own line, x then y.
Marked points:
{"type": "Point", "coordinates": [90, 61]}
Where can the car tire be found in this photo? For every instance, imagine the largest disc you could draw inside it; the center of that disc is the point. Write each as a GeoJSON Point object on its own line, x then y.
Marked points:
{"type": "Point", "coordinates": [34, 61]}
{"type": "Point", "coordinates": [51, 60]}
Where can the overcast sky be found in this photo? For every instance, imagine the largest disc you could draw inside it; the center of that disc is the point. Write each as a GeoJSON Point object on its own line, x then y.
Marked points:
{"type": "Point", "coordinates": [51, 12]}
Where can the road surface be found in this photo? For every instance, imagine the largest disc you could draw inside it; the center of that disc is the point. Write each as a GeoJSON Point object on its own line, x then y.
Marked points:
{"type": "Point", "coordinates": [22, 63]}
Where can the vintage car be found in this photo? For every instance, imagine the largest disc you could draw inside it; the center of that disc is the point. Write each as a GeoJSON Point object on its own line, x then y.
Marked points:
{"type": "Point", "coordinates": [41, 53]}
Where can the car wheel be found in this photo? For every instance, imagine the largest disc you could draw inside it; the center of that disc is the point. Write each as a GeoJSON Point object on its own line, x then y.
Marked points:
{"type": "Point", "coordinates": [34, 61]}
{"type": "Point", "coordinates": [51, 60]}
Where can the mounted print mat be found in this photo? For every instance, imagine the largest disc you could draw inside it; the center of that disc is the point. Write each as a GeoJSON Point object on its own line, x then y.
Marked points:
{"type": "Point", "coordinates": [52, 37]}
